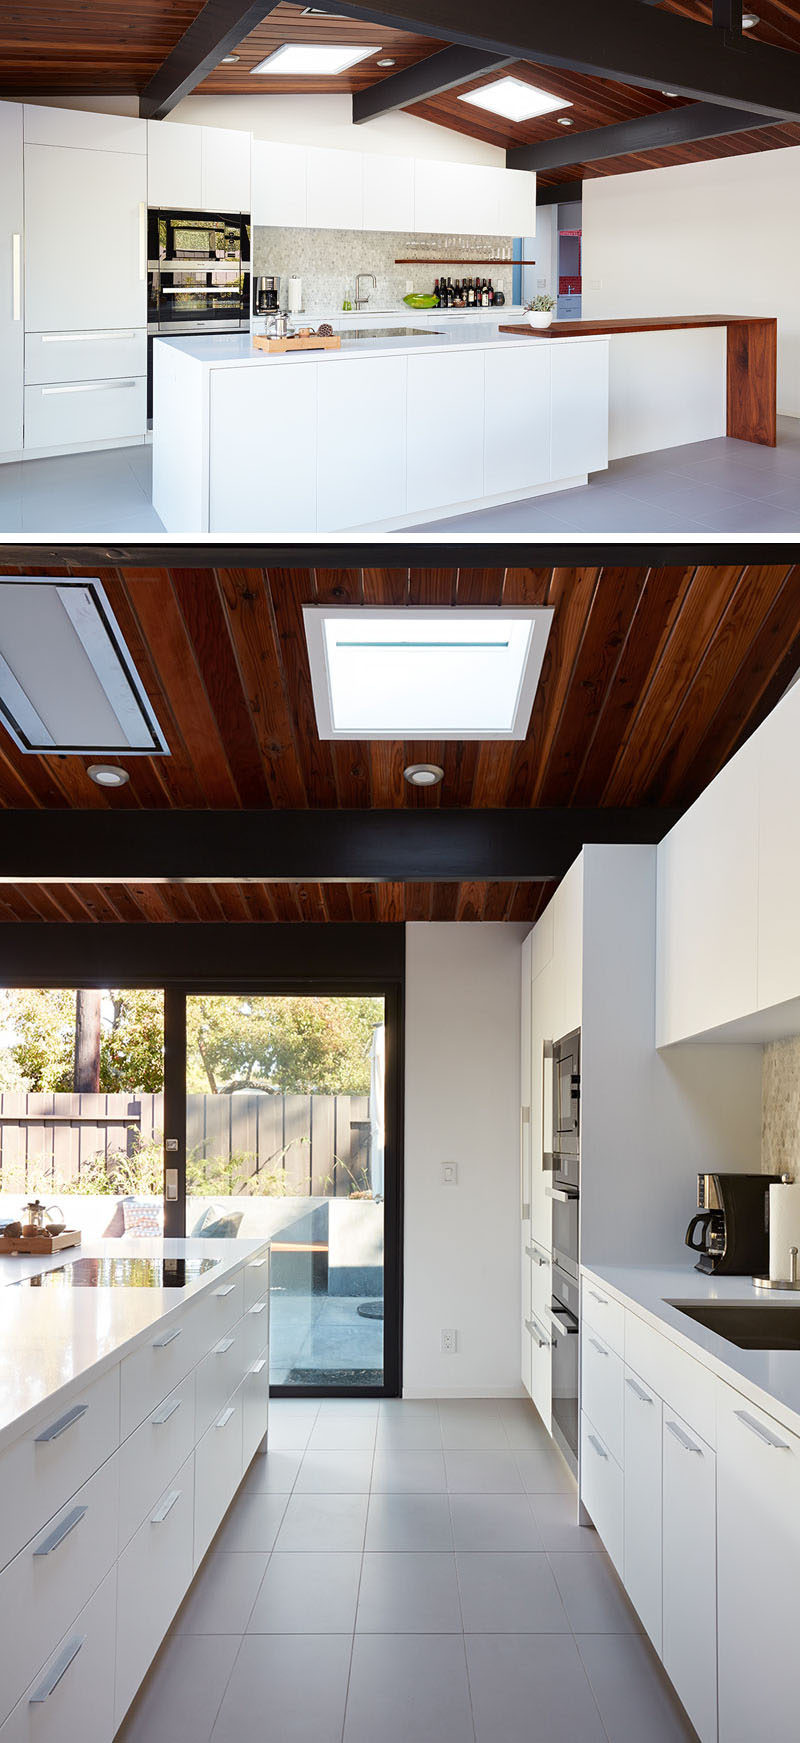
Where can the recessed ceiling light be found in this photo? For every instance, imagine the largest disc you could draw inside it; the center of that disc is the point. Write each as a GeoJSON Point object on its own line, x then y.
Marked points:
{"type": "Point", "coordinates": [67, 681]}
{"type": "Point", "coordinates": [424, 774]}
{"type": "Point", "coordinates": [515, 99]}
{"type": "Point", "coordinates": [669, 93]}
{"type": "Point", "coordinates": [107, 775]}
{"type": "Point", "coordinates": [387, 62]}
{"type": "Point", "coordinates": [750, 20]}
{"type": "Point", "coordinates": [564, 121]}
{"type": "Point", "coordinates": [227, 58]}
{"type": "Point", "coordinates": [311, 59]}
{"type": "Point", "coordinates": [424, 674]}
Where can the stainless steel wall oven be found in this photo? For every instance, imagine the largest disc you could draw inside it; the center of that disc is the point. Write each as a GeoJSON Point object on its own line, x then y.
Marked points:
{"type": "Point", "coordinates": [198, 275]}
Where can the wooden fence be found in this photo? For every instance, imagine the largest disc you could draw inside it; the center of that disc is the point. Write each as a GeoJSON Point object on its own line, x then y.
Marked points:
{"type": "Point", "coordinates": [314, 1143]}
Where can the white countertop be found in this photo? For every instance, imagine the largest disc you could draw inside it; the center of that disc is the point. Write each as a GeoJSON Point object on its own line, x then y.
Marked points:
{"type": "Point", "coordinates": [235, 350]}
{"type": "Point", "coordinates": [53, 1341]}
{"type": "Point", "coordinates": [770, 1378]}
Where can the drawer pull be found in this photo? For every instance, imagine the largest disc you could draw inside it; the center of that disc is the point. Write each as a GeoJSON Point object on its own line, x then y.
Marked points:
{"type": "Point", "coordinates": [225, 1289]}
{"type": "Point", "coordinates": [165, 1411]}
{"type": "Point", "coordinates": [63, 1423]}
{"type": "Point", "coordinates": [682, 1439]}
{"type": "Point", "coordinates": [222, 1348]}
{"type": "Point", "coordinates": [257, 1366]}
{"type": "Point", "coordinates": [257, 1307]}
{"type": "Point", "coordinates": [16, 277]}
{"type": "Point", "coordinates": [764, 1434]}
{"type": "Point", "coordinates": [81, 338]}
{"type": "Point", "coordinates": [168, 1337]}
{"type": "Point", "coordinates": [223, 1420]}
{"type": "Point", "coordinates": [533, 1253]}
{"type": "Point", "coordinates": [256, 1264]}
{"type": "Point", "coordinates": [536, 1332]}
{"type": "Point", "coordinates": [85, 387]}
{"type": "Point", "coordinates": [600, 1450]}
{"type": "Point", "coordinates": [60, 1531]}
{"type": "Point", "coordinates": [638, 1391]}
{"type": "Point", "coordinates": [164, 1507]}
{"type": "Point", "coordinates": [53, 1677]}
{"type": "Point", "coordinates": [602, 1300]}
{"type": "Point", "coordinates": [600, 1348]}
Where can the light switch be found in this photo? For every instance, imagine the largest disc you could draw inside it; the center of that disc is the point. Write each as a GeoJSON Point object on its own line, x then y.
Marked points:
{"type": "Point", "coordinates": [449, 1173]}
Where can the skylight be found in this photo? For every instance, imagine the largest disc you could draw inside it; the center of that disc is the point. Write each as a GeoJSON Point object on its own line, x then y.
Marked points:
{"type": "Point", "coordinates": [515, 99]}
{"type": "Point", "coordinates": [424, 674]}
{"type": "Point", "coordinates": [314, 59]}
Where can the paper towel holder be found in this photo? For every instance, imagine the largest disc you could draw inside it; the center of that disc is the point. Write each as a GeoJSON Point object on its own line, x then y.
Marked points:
{"type": "Point", "coordinates": [792, 1281]}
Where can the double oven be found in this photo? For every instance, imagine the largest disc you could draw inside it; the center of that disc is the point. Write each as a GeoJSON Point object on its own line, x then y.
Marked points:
{"type": "Point", "coordinates": [565, 1184]}
{"type": "Point", "coordinates": [198, 276]}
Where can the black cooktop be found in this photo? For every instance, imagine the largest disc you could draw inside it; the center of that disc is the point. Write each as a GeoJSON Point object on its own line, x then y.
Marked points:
{"type": "Point", "coordinates": [122, 1273]}
{"type": "Point", "coordinates": [388, 332]}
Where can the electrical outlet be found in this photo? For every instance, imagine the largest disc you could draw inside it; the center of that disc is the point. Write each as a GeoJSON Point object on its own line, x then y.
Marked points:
{"type": "Point", "coordinates": [541, 284]}
{"type": "Point", "coordinates": [449, 1343]}
{"type": "Point", "coordinates": [449, 1173]}
{"type": "Point", "coordinates": [409, 286]}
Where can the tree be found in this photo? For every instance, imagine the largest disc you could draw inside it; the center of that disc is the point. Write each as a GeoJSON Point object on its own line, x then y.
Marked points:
{"type": "Point", "coordinates": [39, 1033]}
{"type": "Point", "coordinates": [300, 1045]}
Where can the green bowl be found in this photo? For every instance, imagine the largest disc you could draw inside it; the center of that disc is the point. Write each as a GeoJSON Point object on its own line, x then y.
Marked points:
{"type": "Point", "coordinates": [418, 300]}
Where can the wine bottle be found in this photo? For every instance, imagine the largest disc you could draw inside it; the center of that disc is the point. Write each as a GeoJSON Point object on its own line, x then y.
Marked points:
{"type": "Point", "coordinates": [436, 294]}
{"type": "Point", "coordinates": [491, 295]}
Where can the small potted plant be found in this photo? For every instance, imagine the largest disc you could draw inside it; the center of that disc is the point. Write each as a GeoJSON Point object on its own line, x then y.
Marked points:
{"type": "Point", "coordinates": [540, 311]}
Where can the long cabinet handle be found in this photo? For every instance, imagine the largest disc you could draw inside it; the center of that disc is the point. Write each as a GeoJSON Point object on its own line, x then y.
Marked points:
{"type": "Point", "coordinates": [547, 1057]}
{"type": "Point", "coordinates": [638, 1391]}
{"type": "Point", "coordinates": [223, 1420]}
{"type": "Point", "coordinates": [525, 1124]}
{"type": "Point", "coordinates": [534, 1253]}
{"type": "Point", "coordinates": [60, 1531]}
{"type": "Point", "coordinates": [599, 1449]}
{"type": "Point", "coordinates": [164, 1507]}
{"type": "Point", "coordinates": [538, 1333]}
{"type": "Point", "coordinates": [602, 1300]}
{"type": "Point", "coordinates": [600, 1348]}
{"type": "Point", "coordinates": [257, 1366]}
{"type": "Point", "coordinates": [168, 1337]}
{"type": "Point", "coordinates": [683, 1439]}
{"type": "Point", "coordinates": [165, 1411]}
{"type": "Point", "coordinates": [16, 277]}
{"type": "Point", "coordinates": [84, 387]}
{"type": "Point", "coordinates": [62, 1424]}
{"type": "Point", "coordinates": [53, 1676]}
{"type": "Point", "coordinates": [256, 1264]}
{"type": "Point", "coordinates": [257, 1307]}
{"type": "Point", "coordinates": [224, 1345]}
{"type": "Point", "coordinates": [90, 338]}
{"type": "Point", "coordinates": [763, 1433]}
{"type": "Point", "coordinates": [225, 1289]}
{"type": "Point", "coordinates": [142, 240]}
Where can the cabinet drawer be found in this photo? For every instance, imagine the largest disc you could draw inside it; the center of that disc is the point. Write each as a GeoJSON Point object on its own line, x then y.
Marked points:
{"type": "Point", "coordinates": [600, 1310]}
{"type": "Point", "coordinates": [642, 1535]}
{"type": "Point", "coordinates": [218, 1473]}
{"type": "Point", "coordinates": [255, 1327]}
{"type": "Point", "coordinates": [255, 1408]}
{"type": "Point", "coordinates": [40, 1471]}
{"type": "Point", "coordinates": [148, 1458]}
{"type": "Point", "coordinates": [85, 411]}
{"type": "Point", "coordinates": [219, 1374]}
{"type": "Point", "coordinates": [98, 356]}
{"type": "Point", "coordinates": [220, 1309]}
{"type": "Point", "coordinates": [153, 1574]}
{"type": "Point", "coordinates": [681, 1381]}
{"type": "Point", "coordinates": [601, 1490]}
{"type": "Point", "coordinates": [601, 1390]}
{"type": "Point", "coordinates": [73, 1695]}
{"type": "Point", "coordinates": [256, 1278]}
{"type": "Point", "coordinates": [689, 1576]}
{"type": "Point", "coordinates": [153, 1371]}
{"type": "Point", "coordinates": [50, 1580]}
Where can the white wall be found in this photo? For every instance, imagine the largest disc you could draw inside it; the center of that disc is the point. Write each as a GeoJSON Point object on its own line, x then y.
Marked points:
{"type": "Point", "coordinates": [462, 1104]}
{"type": "Point", "coordinates": [328, 120]}
{"type": "Point", "coordinates": [704, 238]}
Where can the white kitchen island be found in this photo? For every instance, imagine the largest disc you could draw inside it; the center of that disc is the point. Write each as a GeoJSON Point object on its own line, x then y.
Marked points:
{"type": "Point", "coordinates": [378, 435]}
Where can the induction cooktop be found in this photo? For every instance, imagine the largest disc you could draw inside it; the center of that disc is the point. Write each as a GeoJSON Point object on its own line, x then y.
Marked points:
{"type": "Point", "coordinates": [389, 333]}
{"type": "Point", "coordinates": [122, 1273]}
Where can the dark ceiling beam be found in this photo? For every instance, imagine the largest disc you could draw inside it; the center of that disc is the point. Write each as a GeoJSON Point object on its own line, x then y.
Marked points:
{"type": "Point", "coordinates": [645, 133]}
{"type": "Point", "coordinates": [428, 78]}
{"type": "Point", "coordinates": [310, 846]}
{"type": "Point", "coordinates": [218, 28]}
{"type": "Point", "coordinates": [622, 40]}
{"type": "Point", "coordinates": [559, 191]}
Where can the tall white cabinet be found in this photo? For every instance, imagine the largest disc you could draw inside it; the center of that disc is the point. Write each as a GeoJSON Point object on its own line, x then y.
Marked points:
{"type": "Point", "coordinates": [11, 297]}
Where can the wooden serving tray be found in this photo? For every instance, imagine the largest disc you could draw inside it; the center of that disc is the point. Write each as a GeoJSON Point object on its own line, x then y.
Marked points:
{"type": "Point", "coordinates": [40, 1243]}
{"type": "Point", "coordinates": [303, 342]}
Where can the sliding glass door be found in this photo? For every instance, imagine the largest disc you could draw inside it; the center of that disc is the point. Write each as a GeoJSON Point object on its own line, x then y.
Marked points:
{"type": "Point", "coordinates": [285, 1139]}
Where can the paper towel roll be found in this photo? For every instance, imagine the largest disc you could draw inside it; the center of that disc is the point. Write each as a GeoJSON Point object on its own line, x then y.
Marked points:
{"type": "Point", "coordinates": [295, 298]}
{"type": "Point", "coordinates": [784, 1228]}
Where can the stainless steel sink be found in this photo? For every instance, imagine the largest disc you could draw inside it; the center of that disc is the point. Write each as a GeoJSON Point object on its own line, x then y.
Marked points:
{"type": "Point", "coordinates": [752, 1325]}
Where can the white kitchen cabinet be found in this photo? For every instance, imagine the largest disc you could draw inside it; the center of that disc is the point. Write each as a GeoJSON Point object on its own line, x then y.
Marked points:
{"type": "Point", "coordinates": [154, 1572]}
{"type": "Point", "coordinates": [541, 1387]}
{"type": "Point", "coordinates": [689, 1572]}
{"type": "Point", "coordinates": [526, 1346]}
{"type": "Point", "coordinates": [579, 408]}
{"type": "Point", "coordinates": [517, 419]}
{"type": "Point", "coordinates": [44, 1467]}
{"type": "Point", "coordinates": [516, 202]}
{"type": "Point", "coordinates": [69, 286]}
{"type": "Point", "coordinates": [602, 1390]}
{"type": "Point", "coordinates": [226, 153]}
{"type": "Point", "coordinates": [758, 1496]}
{"type": "Point", "coordinates": [446, 197]}
{"type": "Point", "coordinates": [362, 479]}
{"type": "Point", "coordinates": [257, 481]}
{"type": "Point", "coordinates": [85, 413]}
{"type": "Point", "coordinates": [444, 428]}
{"type": "Point", "coordinates": [174, 165]}
{"type": "Point", "coordinates": [280, 176]}
{"type": "Point", "coordinates": [388, 193]}
{"type": "Point", "coordinates": [12, 328]}
{"type": "Point", "coordinates": [255, 1408]}
{"type": "Point", "coordinates": [73, 1694]}
{"type": "Point", "coordinates": [102, 356]}
{"type": "Point", "coordinates": [601, 1489]}
{"type": "Point", "coordinates": [525, 1064]}
{"type": "Point", "coordinates": [778, 856]}
{"type": "Point", "coordinates": [642, 1533]}
{"type": "Point", "coordinates": [708, 906]}
{"type": "Point", "coordinates": [85, 130]}
{"type": "Point", "coordinates": [334, 199]}
{"type": "Point", "coordinates": [218, 1472]}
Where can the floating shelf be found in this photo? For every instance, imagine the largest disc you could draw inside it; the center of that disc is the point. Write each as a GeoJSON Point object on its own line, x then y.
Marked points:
{"type": "Point", "coordinates": [448, 260]}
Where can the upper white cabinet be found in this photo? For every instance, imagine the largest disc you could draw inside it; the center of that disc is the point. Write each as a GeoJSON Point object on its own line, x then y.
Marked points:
{"type": "Point", "coordinates": [174, 165]}
{"type": "Point", "coordinates": [388, 192]}
{"type": "Point", "coordinates": [449, 196]}
{"type": "Point", "coordinates": [334, 195]}
{"type": "Point", "coordinates": [70, 286]}
{"type": "Point", "coordinates": [85, 130]}
{"type": "Point", "coordinates": [516, 202]}
{"type": "Point", "coordinates": [779, 855]}
{"type": "Point", "coordinates": [204, 169]}
{"type": "Point", "coordinates": [280, 175]}
{"type": "Point", "coordinates": [11, 311]}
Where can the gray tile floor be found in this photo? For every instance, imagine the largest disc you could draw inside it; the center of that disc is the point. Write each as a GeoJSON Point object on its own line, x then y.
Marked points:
{"type": "Point", "coordinates": [321, 1331]}
{"type": "Point", "coordinates": [720, 486]}
{"type": "Point", "coordinates": [404, 1572]}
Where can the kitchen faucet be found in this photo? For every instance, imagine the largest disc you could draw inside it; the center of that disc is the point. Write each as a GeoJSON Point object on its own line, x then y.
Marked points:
{"type": "Point", "coordinates": [360, 301]}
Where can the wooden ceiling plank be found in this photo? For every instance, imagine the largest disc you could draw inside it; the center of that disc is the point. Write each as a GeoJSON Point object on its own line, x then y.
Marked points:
{"type": "Point", "coordinates": [338, 903]}
{"type": "Point", "coordinates": [390, 902]}
{"type": "Point", "coordinates": [290, 590]}
{"type": "Point", "coordinates": [254, 638]}
{"type": "Point", "coordinates": [418, 901]}
{"type": "Point", "coordinates": [608, 625]}
{"type": "Point", "coordinates": [459, 759]}
{"type": "Point", "coordinates": [432, 586]}
{"type": "Point", "coordinates": [311, 902]}
{"type": "Point", "coordinates": [353, 773]}
{"type": "Point", "coordinates": [385, 586]}
{"type": "Point", "coordinates": [495, 901]}
{"type": "Point", "coordinates": [470, 901]}
{"type": "Point", "coordinates": [479, 587]}
{"type": "Point", "coordinates": [219, 25]}
{"type": "Point", "coordinates": [526, 586]}
{"type": "Point", "coordinates": [207, 625]}
{"type": "Point", "coordinates": [444, 902]}
{"type": "Point", "coordinates": [387, 760]}
{"type": "Point", "coordinates": [175, 774]}
{"type": "Point", "coordinates": [338, 587]}
{"type": "Point", "coordinates": [571, 592]}
{"type": "Point", "coordinates": [365, 902]}
{"type": "Point", "coordinates": [284, 901]}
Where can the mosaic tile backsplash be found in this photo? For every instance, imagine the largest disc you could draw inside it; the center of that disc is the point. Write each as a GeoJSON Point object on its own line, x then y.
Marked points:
{"type": "Point", "coordinates": [327, 262]}
{"type": "Point", "coordinates": [780, 1107]}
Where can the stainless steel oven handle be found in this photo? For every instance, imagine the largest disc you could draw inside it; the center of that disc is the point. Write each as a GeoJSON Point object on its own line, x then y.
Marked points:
{"type": "Point", "coordinates": [564, 1194]}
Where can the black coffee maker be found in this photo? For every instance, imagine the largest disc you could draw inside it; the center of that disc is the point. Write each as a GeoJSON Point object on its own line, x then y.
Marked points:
{"type": "Point", "coordinates": [265, 296]}
{"type": "Point", "coordinates": [731, 1228]}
